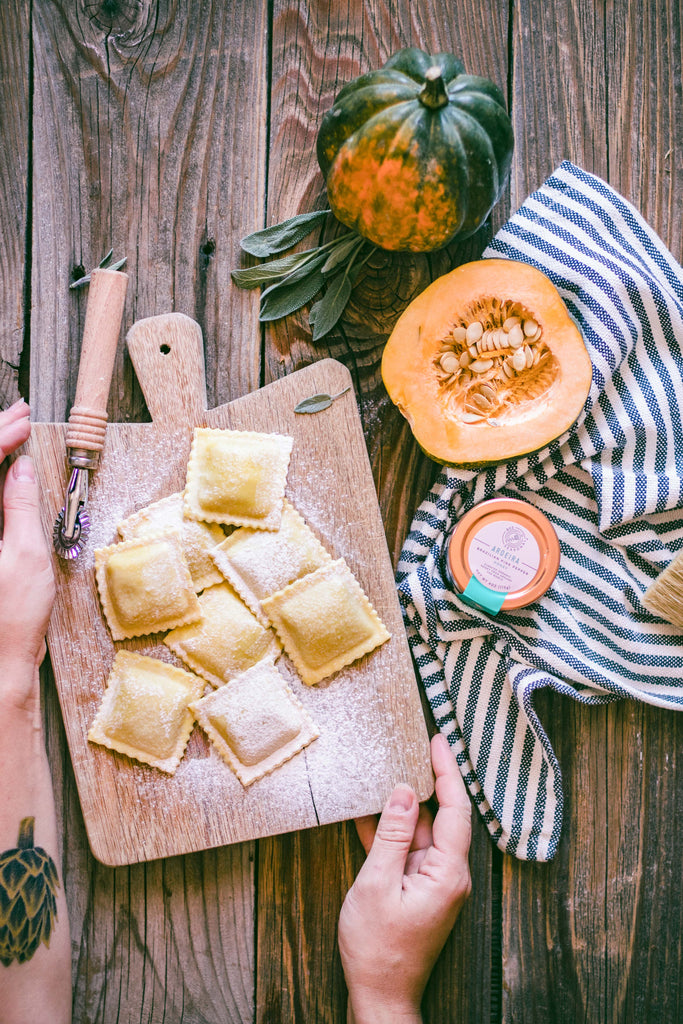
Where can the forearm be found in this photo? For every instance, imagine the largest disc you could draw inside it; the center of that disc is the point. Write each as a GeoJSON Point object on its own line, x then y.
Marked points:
{"type": "Point", "coordinates": [361, 1010]}
{"type": "Point", "coordinates": [35, 978]}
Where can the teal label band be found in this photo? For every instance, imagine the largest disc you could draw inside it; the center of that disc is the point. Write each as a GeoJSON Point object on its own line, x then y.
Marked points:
{"type": "Point", "coordinates": [481, 596]}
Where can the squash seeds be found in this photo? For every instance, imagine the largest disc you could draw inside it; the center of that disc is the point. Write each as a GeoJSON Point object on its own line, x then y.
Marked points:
{"type": "Point", "coordinates": [493, 359]}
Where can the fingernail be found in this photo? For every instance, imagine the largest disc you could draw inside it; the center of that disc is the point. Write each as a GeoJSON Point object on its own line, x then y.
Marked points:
{"type": "Point", "coordinates": [23, 468]}
{"type": "Point", "coordinates": [401, 799]}
{"type": "Point", "coordinates": [15, 405]}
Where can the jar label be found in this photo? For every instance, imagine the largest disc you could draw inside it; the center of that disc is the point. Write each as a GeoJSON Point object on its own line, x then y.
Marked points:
{"type": "Point", "coordinates": [504, 556]}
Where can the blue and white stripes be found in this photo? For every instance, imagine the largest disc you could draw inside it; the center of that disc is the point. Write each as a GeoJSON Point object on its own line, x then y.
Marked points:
{"type": "Point", "coordinates": [612, 489]}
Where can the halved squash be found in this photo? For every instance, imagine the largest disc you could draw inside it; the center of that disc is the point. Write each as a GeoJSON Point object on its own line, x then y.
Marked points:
{"type": "Point", "coordinates": [487, 365]}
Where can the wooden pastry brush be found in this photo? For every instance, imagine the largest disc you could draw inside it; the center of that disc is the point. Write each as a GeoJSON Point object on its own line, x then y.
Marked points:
{"type": "Point", "coordinates": [664, 597]}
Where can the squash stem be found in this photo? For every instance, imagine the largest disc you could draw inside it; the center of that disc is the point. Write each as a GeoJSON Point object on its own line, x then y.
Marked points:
{"type": "Point", "coordinates": [434, 93]}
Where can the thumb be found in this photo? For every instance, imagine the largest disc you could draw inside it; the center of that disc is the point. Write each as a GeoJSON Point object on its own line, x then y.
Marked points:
{"type": "Point", "coordinates": [22, 530]}
{"type": "Point", "coordinates": [393, 838]}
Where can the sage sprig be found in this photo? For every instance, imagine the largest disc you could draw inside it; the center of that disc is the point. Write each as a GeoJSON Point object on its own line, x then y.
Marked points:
{"type": "Point", "coordinates": [294, 280]}
{"type": "Point", "coordinates": [293, 291]}
{"type": "Point", "coordinates": [326, 312]}
{"type": "Point", "coordinates": [252, 277]}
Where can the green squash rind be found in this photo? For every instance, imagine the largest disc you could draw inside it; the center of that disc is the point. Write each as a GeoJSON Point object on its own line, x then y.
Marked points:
{"type": "Point", "coordinates": [456, 158]}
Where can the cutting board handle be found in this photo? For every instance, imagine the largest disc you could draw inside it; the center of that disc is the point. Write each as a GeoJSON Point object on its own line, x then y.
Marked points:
{"type": "Point", "coordinates": [167, 352]}
{"type": "Point", "coordinates": [103, 315]}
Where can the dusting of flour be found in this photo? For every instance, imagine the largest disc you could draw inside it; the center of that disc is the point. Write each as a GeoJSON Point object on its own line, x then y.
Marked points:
{"type": "Point", "coordinates": [365, 745]}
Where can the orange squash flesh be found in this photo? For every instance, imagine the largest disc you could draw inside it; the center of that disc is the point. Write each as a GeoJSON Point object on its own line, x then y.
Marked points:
{"type": "Point", "coordinates": [542, 409]}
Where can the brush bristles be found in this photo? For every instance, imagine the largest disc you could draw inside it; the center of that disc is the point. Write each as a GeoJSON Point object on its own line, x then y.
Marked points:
{"type": "Point", "coordinates": [664, 597]}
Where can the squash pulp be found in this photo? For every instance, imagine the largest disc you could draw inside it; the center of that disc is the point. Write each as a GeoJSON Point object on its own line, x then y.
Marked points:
{"type": "Point", "coordinates": [487, 364]}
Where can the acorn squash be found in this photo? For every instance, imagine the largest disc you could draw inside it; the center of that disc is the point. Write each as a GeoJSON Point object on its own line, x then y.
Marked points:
{"type": "Point", "coordinates": [487, 364]}
{"type": "Point", "coordinates": [416, 153]}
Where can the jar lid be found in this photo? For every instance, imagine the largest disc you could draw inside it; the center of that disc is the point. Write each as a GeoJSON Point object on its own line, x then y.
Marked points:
{"type": "Point", "coordinates": [503, 554]}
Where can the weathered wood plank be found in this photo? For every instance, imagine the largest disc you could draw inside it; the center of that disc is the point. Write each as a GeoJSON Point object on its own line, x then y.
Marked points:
{"type": "Point", "coordinates": [142, 116]}
{"type": "Point", "coordinates": [140, 144]}
{"type": "Point", "coordinates": [301, 882]}
{"type": "Point", "coordinates": [553, 116]}
{"type": "Point", "coordinates": [558, 94]}
{"type": "Point", "coordinates": [316, 49]}
{"type": "Point", "coordinates": [14, 158]}
{"type": "Point", "coordinates": [596, 934]}
{"type": "Point", "coordinates": [643, 968]}
{"type": "Point", "coordinates": [644, 112]}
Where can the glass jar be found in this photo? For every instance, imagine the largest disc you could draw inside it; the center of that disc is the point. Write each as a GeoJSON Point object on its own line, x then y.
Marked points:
{"type": "Point", "coordinates": [502, 554]}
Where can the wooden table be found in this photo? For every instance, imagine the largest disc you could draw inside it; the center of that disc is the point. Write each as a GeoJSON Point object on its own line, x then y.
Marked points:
{"type": "Point", "coordinates": [168, 131]}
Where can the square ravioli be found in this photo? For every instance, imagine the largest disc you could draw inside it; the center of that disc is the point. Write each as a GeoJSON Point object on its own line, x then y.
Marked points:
{"type": "Point", "coordinates": [144, 712]}
{"type": "Point", "coordinates": [145, 585]}
{"type": "Point", "coordinates": [197, 539]}
{"type": "Point", "coordinates": [237, 477]}
{"type": "Point", "coordinates": [259, 562]}
{"type": "Point", "coordinates": [227, 639]}
{"type": "Point", "coordinates": [255, 722]}
{"type": "Point", "coordinates": [325, 621]}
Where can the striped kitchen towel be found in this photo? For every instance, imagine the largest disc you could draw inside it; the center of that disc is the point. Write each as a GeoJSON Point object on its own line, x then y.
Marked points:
{"type": "Point", "coordinates": [611, 487]}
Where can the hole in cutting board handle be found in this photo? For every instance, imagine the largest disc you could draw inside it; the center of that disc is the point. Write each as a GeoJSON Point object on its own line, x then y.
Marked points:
{"type": "Point", "coordinates": [164, 349]}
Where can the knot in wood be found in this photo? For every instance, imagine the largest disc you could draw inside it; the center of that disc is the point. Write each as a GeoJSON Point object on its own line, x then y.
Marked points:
{"type": "Point", "coordinates": [119, 18]}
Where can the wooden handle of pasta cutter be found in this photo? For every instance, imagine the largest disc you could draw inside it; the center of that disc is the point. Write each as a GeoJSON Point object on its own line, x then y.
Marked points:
{"type": "Point", "coordinates": [88, 419]}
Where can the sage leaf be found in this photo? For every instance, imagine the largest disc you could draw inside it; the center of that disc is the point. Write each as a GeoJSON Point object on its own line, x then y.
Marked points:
{"type": "Point", "coordinates": [293, 292]}
{"type": "Point", "coordinates": [342, 250]}
{"type": "Point", "coordinates": [316, 260]}
{"type": "Point", "coordinates": [328, 310]}
{"type": "Point", "coordinates": [316, 403]}
{"type": "Point", "coordinates": [282, 236]}
{"type": "Point", "coordinates": [106, 259]}
{"type": "Point", "coordinates": [252, 277]}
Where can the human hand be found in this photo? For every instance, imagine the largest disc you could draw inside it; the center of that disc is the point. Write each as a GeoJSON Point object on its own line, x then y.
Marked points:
{"type": "Point", "coordinates": [400, 910]}
{"type": "Point", "coordinates": [26, 579]}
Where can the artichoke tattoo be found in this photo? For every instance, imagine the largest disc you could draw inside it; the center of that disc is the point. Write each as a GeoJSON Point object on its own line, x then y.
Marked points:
{"type": "Point", "coordinates": [28, 903]}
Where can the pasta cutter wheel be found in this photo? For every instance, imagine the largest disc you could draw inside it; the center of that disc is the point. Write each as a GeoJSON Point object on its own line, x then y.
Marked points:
{"type": "Point", "coordinates": [88, 418]}
{"type": "Point", "coordinates": [72, 525]}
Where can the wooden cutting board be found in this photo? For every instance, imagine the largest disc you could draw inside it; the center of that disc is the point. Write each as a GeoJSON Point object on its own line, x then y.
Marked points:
{"type": "Point", "coordinates": [373, 733]}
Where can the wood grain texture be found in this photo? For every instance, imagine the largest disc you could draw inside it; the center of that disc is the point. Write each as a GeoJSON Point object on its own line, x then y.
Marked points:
{"type": "Point", "coordinates": [302, 880]}
{"type": "Point", "coordinates": [645, 112]}
{"type": "Point", "coordinates": [558, 91]}
{"type": "Point", "coordinates": [141, 113]}
{"type": "Point", "coordinates": [14, 162]}
{"type": "Point", "coordinates": [596, 934]}
{"type": "Point", "coordinates": [139, 144]}
{"type": "Point", "coordinates": [300, 976]}
{"type": "Point", "coordinates": [316, 49]}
